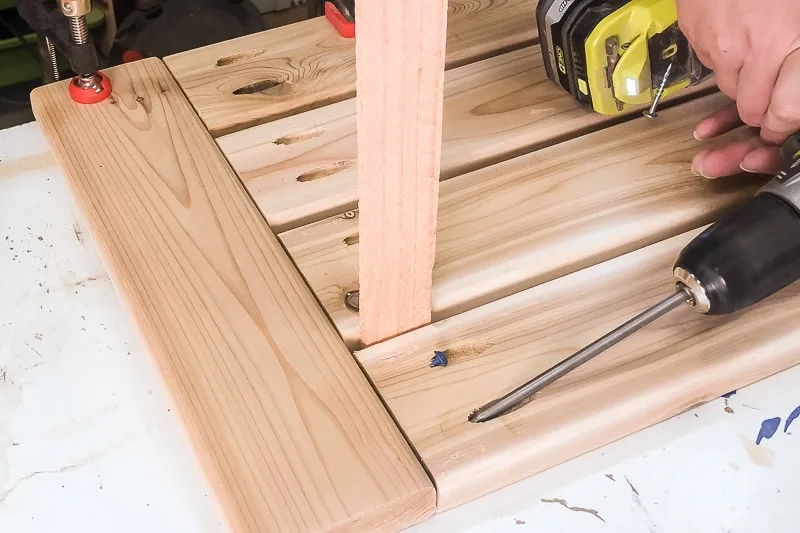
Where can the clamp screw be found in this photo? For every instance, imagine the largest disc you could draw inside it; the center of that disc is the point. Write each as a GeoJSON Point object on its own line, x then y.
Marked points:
{"type": "Point", "coordinates": [47, 51]}
{"type": "Point", "coordinates": [76, 11]}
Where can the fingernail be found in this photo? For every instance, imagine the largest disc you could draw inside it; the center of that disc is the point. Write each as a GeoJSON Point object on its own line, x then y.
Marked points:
{"type": "Point", "coordinates": [745, 164]}
{"type": "Point", "coordinates": [696, 136]}
{"type": "Point", "coordinates": [703, 173]}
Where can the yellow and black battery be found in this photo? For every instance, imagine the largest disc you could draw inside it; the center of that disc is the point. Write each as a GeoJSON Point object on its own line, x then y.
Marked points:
{"type": "Point", "coordinates": [614, 55]}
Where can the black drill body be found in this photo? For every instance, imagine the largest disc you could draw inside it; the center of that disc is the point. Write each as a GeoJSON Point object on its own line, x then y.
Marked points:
{"type": "Point", "coordinates": [753, 251]}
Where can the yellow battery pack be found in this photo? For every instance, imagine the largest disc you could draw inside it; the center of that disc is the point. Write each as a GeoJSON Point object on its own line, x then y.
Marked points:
{"type": "Point", "coordinates": [612, 55]}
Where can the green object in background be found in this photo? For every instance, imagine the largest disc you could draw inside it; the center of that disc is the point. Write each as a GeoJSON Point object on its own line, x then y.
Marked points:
{"type": "Point", "coordinates": [16, 63]}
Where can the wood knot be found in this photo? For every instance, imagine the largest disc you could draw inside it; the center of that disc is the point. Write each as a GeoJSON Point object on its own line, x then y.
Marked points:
{"type": "Point", "coordinates": [299, 137]}
{"type": "Point", "coordinates": [258, 87]}
{"type": "Point", "coordinates": [325, 170]}
{"type": "Point", "coordinates": [230, 60]}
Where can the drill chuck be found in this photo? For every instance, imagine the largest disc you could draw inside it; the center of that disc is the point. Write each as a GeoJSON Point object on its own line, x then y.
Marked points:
{"type": "Point", "coordinates": [750, 253]}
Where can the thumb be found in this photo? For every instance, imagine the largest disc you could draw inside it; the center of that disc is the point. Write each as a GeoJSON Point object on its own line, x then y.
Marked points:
{"type": "Point", "coordinates": [783, 115]}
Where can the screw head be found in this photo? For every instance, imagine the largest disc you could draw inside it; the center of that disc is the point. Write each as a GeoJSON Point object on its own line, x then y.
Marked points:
{"type": "Point", "coordinates": [351, 300]}
{"type": "Point", "coordinates": [349, 214]}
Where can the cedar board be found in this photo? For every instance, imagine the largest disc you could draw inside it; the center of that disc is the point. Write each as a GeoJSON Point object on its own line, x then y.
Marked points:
{"type": "Point", "coordinates": [289, 431]}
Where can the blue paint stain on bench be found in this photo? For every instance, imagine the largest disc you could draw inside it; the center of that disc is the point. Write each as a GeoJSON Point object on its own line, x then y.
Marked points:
{"type": "Point", "coordinates": [791, 418]}
{"type": "Point", "coordinates": [768, 428]}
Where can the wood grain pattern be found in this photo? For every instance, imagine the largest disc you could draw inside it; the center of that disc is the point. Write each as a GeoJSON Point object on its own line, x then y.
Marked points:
{"type": "Point", "coordinates": [243, 82]}
{"type": "Point", "coordinates": [676, 363]}
{"type": "Point", "coordinates": [520, 223]}
{"type": "Point", "coordinates": [400, 52]}
{"type": "Point", "coordinates": [288, 429]}
{"type": "Point", "coordinates": [301, 169]}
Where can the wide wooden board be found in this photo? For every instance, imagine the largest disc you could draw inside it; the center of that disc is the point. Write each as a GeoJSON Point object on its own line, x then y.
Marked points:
{"type": "Point", "coordinates": [254, 79]}
{"type": "Point", "coordinates": [289, 430]}
{"type": "Point", "coordinates": [301, 169]}
{"type": "Point", "coordinates": [678, 362]}
{"type": "Point", "coordinates": [534, 218]}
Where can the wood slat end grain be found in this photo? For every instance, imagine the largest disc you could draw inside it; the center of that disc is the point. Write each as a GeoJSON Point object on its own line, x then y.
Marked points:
{"type": "Point", "coordinates": [287, 428]}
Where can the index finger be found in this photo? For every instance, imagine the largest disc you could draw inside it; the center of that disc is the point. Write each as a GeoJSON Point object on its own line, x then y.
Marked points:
{"type": "Point", "coordinates": [783, 115]}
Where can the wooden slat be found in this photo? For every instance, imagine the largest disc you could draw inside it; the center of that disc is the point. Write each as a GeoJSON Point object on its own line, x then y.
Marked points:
{"type": "Point", "coordinates": [400, 52]}
{"type": "Point", "coordinates": [508, 227]}
{"type": "Point", "coordinates": [289, 431]}
{"type": "Point", "coordinates": [243, 82]}
{"type": "Point", "coordinates": [303, 168]}
{"type": "Point", "coordinates": [677, 362]}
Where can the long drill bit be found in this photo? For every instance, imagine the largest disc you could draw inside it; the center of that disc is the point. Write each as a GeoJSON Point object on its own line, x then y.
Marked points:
{"type": "Point", "coordinates": [523, 393]}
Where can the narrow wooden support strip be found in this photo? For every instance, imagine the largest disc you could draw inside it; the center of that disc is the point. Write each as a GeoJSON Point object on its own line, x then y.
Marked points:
{"type": "Point", "coordinates": [243, 82]}
{"type": "Point", "coordinates": [531, 219]}
{"type": "Point", "coordinates": [290, 432]}
{"type": "Point", "coordinates": [400, 51]}
{"type": "Point", "coordinates": [675, 363]}
{"type": "Point", "coordinates": [301, 169]}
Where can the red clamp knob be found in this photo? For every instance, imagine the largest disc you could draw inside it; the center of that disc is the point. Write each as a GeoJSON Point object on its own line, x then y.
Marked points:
{"type": "Point", "coordinates": [345, 28]}
{"type": "Point", "coordinates": [90, 93]}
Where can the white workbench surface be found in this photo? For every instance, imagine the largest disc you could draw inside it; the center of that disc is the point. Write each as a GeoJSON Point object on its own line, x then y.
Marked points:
{"type": "Point", "coordinates": [89, 443]}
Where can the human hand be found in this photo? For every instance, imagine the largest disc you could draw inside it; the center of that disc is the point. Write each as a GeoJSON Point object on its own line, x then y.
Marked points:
{"type": "Point", "coordinates": [759, 151]}
{"type": "Point", "coordinates": [745, 43]}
